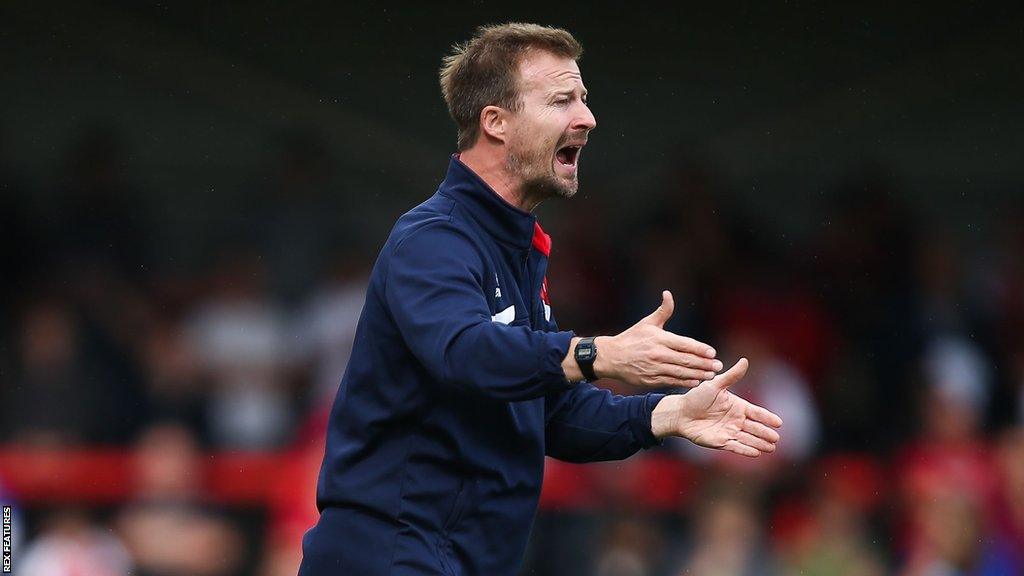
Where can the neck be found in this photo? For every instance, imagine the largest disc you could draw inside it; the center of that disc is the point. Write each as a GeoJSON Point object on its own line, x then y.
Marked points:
{"type": "Point", "coordinates": [492, 168]}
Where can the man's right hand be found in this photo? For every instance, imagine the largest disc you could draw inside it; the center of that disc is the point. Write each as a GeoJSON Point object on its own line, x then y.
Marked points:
{"type": "Point", "coordinates": [648, 355]}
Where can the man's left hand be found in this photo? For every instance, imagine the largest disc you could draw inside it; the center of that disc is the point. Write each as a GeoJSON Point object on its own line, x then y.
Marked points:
{"type": "Point", "coordinates": [712, 416]}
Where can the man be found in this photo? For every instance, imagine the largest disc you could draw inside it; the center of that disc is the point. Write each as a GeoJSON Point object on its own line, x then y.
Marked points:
{"type": "Point", "coordinates": [460, 382]}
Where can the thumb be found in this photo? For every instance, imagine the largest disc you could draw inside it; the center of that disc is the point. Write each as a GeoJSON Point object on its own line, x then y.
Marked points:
{"type": "Point", "coordinates": [663, 313]}
{"type": "Point", "coordinates": [732, 375]}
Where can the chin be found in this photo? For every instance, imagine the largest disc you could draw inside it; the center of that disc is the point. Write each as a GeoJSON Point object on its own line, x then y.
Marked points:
{"type": "Point", "coordinates": [551, 186]}
{"type": "Point", "coordinates": [566, 187]}
{"type": "Point", "coordinates": [566, 191]}
{"type": "Point", "coordinates": [561, 187]}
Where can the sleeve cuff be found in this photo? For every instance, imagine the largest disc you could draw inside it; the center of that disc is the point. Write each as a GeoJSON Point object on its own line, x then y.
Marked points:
{"type": "Point", "coordinates": [551, 362]}
{"type": "Point", "coordinates": [640, 420]}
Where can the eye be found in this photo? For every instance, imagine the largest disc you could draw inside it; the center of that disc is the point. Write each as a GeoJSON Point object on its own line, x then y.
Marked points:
{"type": "Point", "coordinates": [561, 101]}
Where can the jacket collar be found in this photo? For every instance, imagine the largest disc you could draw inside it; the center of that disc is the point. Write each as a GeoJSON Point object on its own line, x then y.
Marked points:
{"type": "Point", "coordinates": [499, 218]}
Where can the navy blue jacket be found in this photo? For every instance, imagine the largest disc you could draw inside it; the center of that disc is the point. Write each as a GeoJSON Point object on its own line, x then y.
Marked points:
{"type": "Point", "coordinates": [453, 396]}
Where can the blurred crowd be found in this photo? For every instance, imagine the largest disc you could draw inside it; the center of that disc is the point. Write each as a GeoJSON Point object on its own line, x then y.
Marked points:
{"type": "Point", "coordinates": [892, 349]}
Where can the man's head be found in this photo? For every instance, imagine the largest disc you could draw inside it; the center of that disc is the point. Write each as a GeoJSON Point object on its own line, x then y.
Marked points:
{"type": "Point", "coordinates": [515, 91]}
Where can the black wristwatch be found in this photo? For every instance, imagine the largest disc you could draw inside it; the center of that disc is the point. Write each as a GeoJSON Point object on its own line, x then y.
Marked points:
{"type": "Point", "coordinates": [585, 354]}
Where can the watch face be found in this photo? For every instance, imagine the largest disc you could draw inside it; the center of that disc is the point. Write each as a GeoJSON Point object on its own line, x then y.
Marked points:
{"type": "Point", "coordinates": [585, 351]}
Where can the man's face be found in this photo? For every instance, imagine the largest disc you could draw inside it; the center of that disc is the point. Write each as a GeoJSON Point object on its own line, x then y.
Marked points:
{"type": "Point", "coordinates": [551, 128]}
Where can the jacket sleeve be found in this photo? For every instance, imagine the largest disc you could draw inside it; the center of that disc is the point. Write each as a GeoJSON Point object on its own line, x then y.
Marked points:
{"type": "Point", "coordinates": [434, 291]}
{"type": "Point", "coordinates": [588, 424]}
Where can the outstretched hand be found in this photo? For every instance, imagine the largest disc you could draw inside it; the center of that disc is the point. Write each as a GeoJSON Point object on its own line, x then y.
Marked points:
{"type": "Point", "coordinates": [648, 355]}
{"type": "Point", "coordinates": [712, 416]}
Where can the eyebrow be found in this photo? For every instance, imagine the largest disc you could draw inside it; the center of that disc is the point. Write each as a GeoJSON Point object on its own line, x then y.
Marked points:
{"type": "Point", "coordinates": [566, 91]}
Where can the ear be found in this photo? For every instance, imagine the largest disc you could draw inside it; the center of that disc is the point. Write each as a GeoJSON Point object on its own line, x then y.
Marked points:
{"type": "Point", "coordinates": [494, 122]}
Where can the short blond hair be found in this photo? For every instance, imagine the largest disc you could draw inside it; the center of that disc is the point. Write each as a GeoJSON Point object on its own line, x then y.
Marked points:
{"type": "Point", "coordinates": [484, 71]}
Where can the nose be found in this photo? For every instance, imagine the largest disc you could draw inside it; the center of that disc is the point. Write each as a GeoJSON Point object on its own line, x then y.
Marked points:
{"type": "Point", "coordinates": [584, 119]}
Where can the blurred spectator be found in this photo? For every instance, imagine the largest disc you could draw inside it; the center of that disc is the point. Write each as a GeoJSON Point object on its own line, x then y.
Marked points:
{"type": "Point", "coordinates": [949, 462]}
{"type": "Point", "coordinates": [167, 465]}
{"type": "Point", "coordinates": [326, 325]}
{"type": "Point", "coordinates": [828, 532]}
{"type": "Point", "coordinates": [950, 354]}
{"type": "Point", "coordinates": [959, 385]}
{"type": "Point", "coordinates": [167, 527]}
{"type": "Point", "coordinates": [629, 547]}
{"type": "Point", "coordinates": [293, 503]}
{"type": "Point", "coordinates": [70, 545]}
{"type": "Point", "coordinates": [952, 536]}
{"type": "Point", "coordinates": [950, 447]}
{"type": "Point", "coordinates": [92, 251]}
{"type": "Point", "coordinates": [60, 396]}
{"type": "Point", "coordinates": [997, 278]}
{"type": "Point", "coordinates": [174, 385]}
{"type": "Point", "coordinates": [727, 536]}
{"type": "Point", "coordinates": [241, 339]}
{"type": "Point", "coordinates": [113, 314]}
{"type": "Point", "coordinates": [1010, 502]}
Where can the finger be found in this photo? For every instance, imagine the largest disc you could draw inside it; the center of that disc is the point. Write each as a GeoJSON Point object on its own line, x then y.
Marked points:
{"type": "Point", "coordinates": [687, 360]}
{"type": "Point", "coordinates": [764, 416]}
{"type": "Point", "coordinates": [686, 344]}
{"type": "Point", "coordinates": [756, 443]}
{"type": "Point", "coordinates": [680, 382]}
{"type": "Point", "coordinates": [741, 449]}
{"type": "Point", "coordinates": [681, 373]}
{"type": "Point", "coordinates": [663, 313]}
{"type": "Point", "coordinates": [732, 375]}
{"type": "Point", "coordinates": [760, 430]}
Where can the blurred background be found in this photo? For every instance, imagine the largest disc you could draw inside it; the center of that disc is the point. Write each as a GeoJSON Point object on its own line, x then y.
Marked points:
{"type": "Point", "coordinates": [193, 196]}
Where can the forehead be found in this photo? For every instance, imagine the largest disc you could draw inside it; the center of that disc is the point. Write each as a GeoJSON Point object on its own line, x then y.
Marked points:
{"type": "Point", "coordinates": [540, 70]}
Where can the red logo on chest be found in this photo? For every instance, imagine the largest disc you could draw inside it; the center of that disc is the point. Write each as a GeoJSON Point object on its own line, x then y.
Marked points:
{"type": "Point", "coordinates": [544, 292]}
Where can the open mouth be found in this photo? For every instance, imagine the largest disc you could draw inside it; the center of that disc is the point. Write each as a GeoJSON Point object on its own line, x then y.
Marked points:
{"type": "Point", "coordinates": [568, 155]}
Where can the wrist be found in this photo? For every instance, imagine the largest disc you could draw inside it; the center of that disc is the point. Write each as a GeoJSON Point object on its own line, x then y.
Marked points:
{"type": "Point", "coordinates": [606, 352]}
{"type": "Point", "coordinates": [665, 417]}
{"type": "Point", "coordinates": [569, 365]}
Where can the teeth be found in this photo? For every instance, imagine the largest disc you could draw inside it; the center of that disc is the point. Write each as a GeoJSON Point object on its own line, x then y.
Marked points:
{"type": "Point", "coordinates": [570, 154]}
